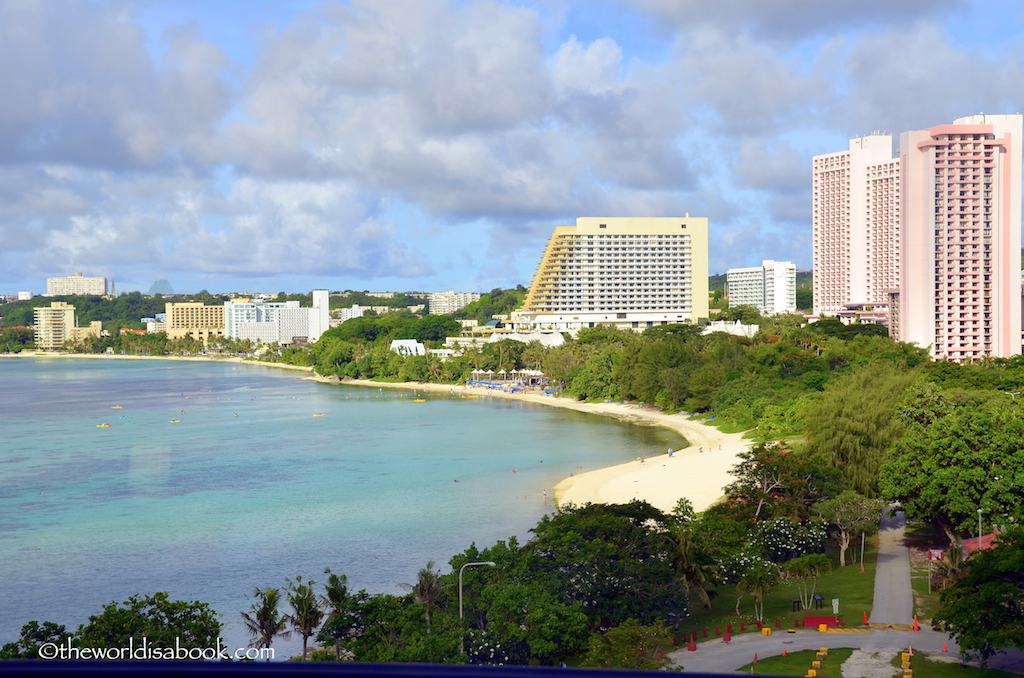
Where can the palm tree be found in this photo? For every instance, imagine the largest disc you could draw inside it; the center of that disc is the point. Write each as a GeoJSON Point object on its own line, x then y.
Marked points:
{"type": "Point", "coordinates": [307, 612]}
{"type": "Point", "coordinates": [264, 621]}
{"type": "Point", "coordinates": [951, 566]}
{"type": "Point", "coordinates": [428, 588]}
{"type": "Point", "coordinates": [691, 572]}
{"type": "Point", "coordinates": [336, 598]}
{"type": "Point", "coordinates": [820, 564]}
{"type": "Point", "coordinates": [758, 580]}
{"type": "Point", "coordinates": [806, 569]}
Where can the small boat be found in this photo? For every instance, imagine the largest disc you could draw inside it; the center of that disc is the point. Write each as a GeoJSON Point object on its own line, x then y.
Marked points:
{"type": "Point", "coordinates": [318, 414]}
{"type": "Point", "coordinates": [117, 407]}
{"type": "Point", "coordinates": [104, 425]}
{"type": "Point", "coordinates": [175, 421]}
{"type": "Point", "coordinates": [420, 400]}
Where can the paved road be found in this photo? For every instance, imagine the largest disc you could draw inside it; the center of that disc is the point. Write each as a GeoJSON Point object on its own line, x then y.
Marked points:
{"type": "Point", "coordinates": [894, 599]}
{"type": "Point", "coordinates": [893, 604]}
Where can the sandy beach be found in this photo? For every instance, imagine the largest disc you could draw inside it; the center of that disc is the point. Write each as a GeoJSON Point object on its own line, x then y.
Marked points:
{"type": "Point", "coordinates": [698, 472]}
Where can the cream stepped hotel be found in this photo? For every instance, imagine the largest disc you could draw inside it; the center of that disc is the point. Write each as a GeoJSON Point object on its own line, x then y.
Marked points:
{"type": "Point", "coordinates": [630, 272]}
{"type": "Point", "coordinates": [932, 233]}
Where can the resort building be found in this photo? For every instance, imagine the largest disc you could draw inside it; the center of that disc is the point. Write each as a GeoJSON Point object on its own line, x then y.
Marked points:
{"type": "Point", "coordinates": [770, 287]}
{"type": "Point", "coordinates": [856, 224]}
{"type": "Point", "coordinates": [929, 237]}
{"type": "Point", "coordinates": [57, 325]}
{"type": "Point", "coordinates": [54, 325]}
{"type": "Point", "coordinates": [277, 322]}
{"type": "Point", "coordinates": [443, 303]}
{"type": "Point", "coordinates": [75, 284]}
{"type": "Point", "coordinates": [194, 319]}
{"type": "Point", "coordinates": [960, 292]}
{"type": "Point", "coordinates": [628, 272]}
{"type": "Point", "coordinates": [349, 313]}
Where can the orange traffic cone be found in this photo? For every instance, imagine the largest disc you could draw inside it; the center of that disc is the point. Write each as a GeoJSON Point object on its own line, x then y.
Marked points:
{"type": "Point", "coordinates": [865, 619]}
{"type": "Point", "coordinates": [862, 567]}
{"type": "Point", "coordinates": [755, 657]}
{"type": "Point", "coordinates": [784, 653]}
{"type": "Point", "coordinates": [916, 627]}
{"type": "Point", "coordinates": [909, 650]}
{"type": "Point", "coordinates": [943, 646]}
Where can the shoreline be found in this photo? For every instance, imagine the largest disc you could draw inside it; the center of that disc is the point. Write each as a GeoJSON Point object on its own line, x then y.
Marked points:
{"type": "Point", "coordinates": [699, 472]}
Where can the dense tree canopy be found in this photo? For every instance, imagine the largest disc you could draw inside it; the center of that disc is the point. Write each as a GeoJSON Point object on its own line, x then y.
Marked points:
{"type": "Point", "coordinates": [969, 459]}
{"type": "Point", "coordinates": [984, 608]}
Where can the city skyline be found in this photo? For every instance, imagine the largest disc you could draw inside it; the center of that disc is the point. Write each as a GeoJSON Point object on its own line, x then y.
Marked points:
{"type": "Point", "coordinates": [434, 145]}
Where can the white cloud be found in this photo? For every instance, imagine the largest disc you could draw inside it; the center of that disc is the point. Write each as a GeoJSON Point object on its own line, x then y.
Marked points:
{"type": "Point", "coordinates": [593, 69]}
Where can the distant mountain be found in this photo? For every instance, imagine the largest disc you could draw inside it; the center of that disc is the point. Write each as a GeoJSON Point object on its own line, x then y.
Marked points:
{"type": "Point", "coordinates": [160, 287]}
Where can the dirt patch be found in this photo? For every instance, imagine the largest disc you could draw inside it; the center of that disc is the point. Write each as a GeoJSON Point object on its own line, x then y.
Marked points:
{"type": "Point", "coordinates": [868, 664]}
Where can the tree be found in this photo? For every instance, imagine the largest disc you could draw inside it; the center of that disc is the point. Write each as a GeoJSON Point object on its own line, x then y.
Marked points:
{"type": "Point", "coordinates": [758, 581]}
{"type": "Point", "coordinates": [850, 513]}
{"type": "Point", "coordinates": [690, 562]}
{"type": "Point", "coordinates": [614, 559]}
{"type": "Point", "coordinates": [264, 620]}
{"type": "Point", "coordinates": [630, 646]}
{"type": "Point", "coordinates": [970, 459]}
{"type": "Point", "coordinates": [984, 608]}
{"type": "Point", "coordinates": [428, 588]}
{"type": "Point", "coordinates": [805, 570]}
{"type": "Point", "coordinates": [770, 480]}
{"type": "Point", "coordinates": [853, 425]}
{"type": "Point", "coordinates": [33, 635]}
{"type": "Point", "coordinates": [162, 621]}
{"type": "Point", "coordinates": [307, 612]}
{"type": "Point", "coordinates": [338, 600]}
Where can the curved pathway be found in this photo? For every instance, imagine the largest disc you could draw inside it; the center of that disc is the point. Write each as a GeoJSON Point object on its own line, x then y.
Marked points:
{"type": "Point", "coordinates": [893, 604]}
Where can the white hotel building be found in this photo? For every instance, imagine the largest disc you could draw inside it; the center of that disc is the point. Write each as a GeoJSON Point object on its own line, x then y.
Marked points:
{"type": "Point", "coordinates": [273, 323]}
{"type": "Point", "coordinates": [76, 284]}
{"type": "Point", "coordinates": [770, 287]}
{"type": "Point", "coordinates": [629, 272]}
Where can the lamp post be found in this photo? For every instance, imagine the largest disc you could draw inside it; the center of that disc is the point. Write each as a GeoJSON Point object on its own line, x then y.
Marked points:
{"type": "Point", "coordinates": [462, 642]}
{"type": "Point", "coordinates": [979, 528]}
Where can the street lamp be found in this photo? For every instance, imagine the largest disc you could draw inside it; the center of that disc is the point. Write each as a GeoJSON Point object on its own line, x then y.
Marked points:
{"type": "Point", "coordinates": [979, 528]}
{"type": "Point", "coordinates": [462, 643]}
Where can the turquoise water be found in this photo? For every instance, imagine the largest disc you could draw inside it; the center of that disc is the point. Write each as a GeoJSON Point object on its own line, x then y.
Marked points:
{"type": "Point", "coordinates": [249, 487]}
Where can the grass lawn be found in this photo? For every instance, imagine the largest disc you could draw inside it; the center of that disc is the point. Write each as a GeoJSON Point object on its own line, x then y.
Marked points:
{"type": "Point", "coordinates": [922, 666]}
{"type": "Point", "coordinates": [853, 588]}
{"type": "Point", "coordinates": [797, 664]}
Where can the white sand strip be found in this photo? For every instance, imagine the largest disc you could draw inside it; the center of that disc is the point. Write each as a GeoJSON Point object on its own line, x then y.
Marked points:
{"type": "Point", "coordinates": [660, 481]}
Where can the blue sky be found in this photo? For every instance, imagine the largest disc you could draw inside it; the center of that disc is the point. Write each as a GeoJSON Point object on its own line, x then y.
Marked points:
{"type": "Point", "coordinates": [434, 144]}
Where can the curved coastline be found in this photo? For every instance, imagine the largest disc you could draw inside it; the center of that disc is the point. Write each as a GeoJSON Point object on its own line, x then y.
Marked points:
{"type": "Point", "coordinates": [698, 472]}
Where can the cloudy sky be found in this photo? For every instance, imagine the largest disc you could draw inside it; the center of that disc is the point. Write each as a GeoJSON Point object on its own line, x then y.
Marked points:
{"type": "Point", "coordinates": [434, 144]}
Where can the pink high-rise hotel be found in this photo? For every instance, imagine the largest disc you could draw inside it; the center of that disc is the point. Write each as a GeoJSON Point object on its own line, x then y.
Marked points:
{"type": "Point", "coordinates": [932, 235]}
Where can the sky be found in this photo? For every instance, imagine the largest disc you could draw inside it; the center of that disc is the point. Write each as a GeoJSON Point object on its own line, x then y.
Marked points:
{"type": "Point", "coordinates": [427, 145]}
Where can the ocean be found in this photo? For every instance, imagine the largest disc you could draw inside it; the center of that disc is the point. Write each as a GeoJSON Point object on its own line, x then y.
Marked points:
{"type": "Point", "coordinates": [215, 478]}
